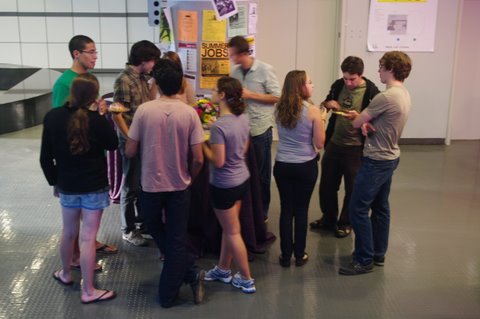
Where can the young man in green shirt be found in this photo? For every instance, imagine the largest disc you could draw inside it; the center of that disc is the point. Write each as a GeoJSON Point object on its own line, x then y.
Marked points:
{"type": "Point", "coordinates": [84, 55]}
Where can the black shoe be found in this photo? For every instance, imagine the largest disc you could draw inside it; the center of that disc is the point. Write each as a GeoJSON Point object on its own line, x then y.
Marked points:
{"type": "Point", "coordinates": [301, 261]}
{"type": "Point", "coordinates": [284, 262]}
{"type": "Point", "coordinates": [379, 261]}
{"type": "Point", "coordinates": [198, 288]}
{"type": "Point", "coordinates": [321, 224]}
{"type": "Point", "coordinates": [343, 231]}
{"type": "Point", "coordinates": [355, 268]}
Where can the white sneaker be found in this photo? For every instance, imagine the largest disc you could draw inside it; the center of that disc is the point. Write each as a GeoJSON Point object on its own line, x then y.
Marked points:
{"type": "Point", "coordinates": [246, 285]}
{"type": "Point", "coordinates": [218, 274]}
{"type": "Point", "coordinates": [135, 238]}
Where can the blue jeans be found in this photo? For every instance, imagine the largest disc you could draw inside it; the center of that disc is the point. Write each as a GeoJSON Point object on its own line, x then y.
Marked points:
{"type": "Point", "coordinates": [170, 237]}
{"type": "Point", "coordinates": [262, 145]}
{"type": "Point", "coordinates": [371, 191]}
{"type": "Point", "coordinates": [130, 188]}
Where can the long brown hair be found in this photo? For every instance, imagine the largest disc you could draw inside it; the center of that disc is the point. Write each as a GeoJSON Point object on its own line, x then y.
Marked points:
{"type": "Point", "coordinates": [290, 105]}
{"type": "Point", "coordinates": [83, 93]}
{"type": "Point", "coordinates": [233, 94]}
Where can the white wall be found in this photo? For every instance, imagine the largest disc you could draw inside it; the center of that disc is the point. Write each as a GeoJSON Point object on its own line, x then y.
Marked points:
{"type": "Point", "coordinates": [465, 111]}
{"type": "Point", "coordinates": [300, 34]}
{"type": "Point", "coordinates": [292, 34]}
{"type": "Point", "coordinates": [36, 40]}
{"type": "Point", "coordinates": [430, 81]}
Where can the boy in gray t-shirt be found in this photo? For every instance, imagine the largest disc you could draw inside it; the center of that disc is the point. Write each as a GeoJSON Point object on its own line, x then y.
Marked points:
{"type": "Point", "coordinates": [382, 122]}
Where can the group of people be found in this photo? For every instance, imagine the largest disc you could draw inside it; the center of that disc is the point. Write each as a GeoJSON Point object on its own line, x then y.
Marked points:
{"type": "Point", "coordinates": [155, 196]}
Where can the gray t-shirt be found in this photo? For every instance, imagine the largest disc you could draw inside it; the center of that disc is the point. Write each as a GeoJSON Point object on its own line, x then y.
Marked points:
{"type": "Point", "coordinates": [233, 132]}
{"type": "Point", "coordinates": [389, 111]}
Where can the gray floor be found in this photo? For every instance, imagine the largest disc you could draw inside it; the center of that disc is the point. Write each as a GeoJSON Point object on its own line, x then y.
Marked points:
{"type": "Point", "coordinates": [432, 268]}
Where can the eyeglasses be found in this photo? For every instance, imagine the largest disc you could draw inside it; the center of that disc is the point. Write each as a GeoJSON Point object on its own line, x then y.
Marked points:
{"type": "Point", "coordinates": [90, 52]}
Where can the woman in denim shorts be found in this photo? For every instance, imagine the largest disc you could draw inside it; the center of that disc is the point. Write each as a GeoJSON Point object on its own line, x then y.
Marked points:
{"type": "Point", "coordinates": [72, 157]}
{"type": "Point", "coordinates": [229, 180]}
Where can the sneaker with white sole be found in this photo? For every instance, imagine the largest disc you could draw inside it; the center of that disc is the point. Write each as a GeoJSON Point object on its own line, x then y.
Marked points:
{"type": "Point", "coordinates": [135, 238]}
{"type": "Point", "coordinates": [218, 274]}
{"type": "Point", "coordinates": [247, 285]}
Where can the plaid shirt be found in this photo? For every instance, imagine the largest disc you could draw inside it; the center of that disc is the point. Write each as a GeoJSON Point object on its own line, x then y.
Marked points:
{"type": "Point", "coordinates": [131, 88]}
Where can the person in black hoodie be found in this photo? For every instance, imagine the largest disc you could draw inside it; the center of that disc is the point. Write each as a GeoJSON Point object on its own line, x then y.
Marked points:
{"type": "Point", "coordinates": [344, 144]}
{"type": "Point", "coordinates": [72, 158]}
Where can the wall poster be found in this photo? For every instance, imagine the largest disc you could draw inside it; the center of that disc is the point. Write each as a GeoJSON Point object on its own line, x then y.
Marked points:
{"type": "Point", "coordinates": [405, 25]}
{"type": "Point", "coordinates": [224, 8]}
{"type": "Point", "coordinates": [215, 63]}
{"type": "Point", "coordinates": [187, 26]}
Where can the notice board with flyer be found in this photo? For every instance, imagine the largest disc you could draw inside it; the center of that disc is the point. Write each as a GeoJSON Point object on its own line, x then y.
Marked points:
{"type": "Point", "coordinates": [202, 30]}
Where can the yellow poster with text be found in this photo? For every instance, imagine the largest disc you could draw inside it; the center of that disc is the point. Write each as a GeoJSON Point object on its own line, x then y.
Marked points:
{"type": "Point", "coordinates": [213, 29]}
{"type": "Point", "coordinates": [214, 62]}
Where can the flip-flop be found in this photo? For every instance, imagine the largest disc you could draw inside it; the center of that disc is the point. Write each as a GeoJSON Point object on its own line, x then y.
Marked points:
{"type": "Point", "coordinates": [98, 267]}
{"type": "Point", "coordinates": [107, 249]}
{"type": "Point", "coordinates": [102, 297]}
{"type": "Point", "coordinates": [56, 276]}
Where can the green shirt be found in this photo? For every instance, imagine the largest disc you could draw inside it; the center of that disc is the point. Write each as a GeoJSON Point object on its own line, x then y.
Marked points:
{"type": "Point", "coordinates": [345, 134]}
{"type": "Point", "coordinates": [61, 88]}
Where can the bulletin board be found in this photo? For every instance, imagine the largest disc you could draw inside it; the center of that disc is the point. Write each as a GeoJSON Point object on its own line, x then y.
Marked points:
{"type": "Point", "coordinates": [201, 35]}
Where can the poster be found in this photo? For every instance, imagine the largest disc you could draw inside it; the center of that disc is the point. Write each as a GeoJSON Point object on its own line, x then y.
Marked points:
{"type": "Point", "coordinates": [252, 18]}
{"type": "Point", "coordinates": [213, 29]}
{"type": "Point", "coordinates": [214, 62]}
{"type": "Point", "coordinates": [224, 8]}
{"type": "Point", "coordinates": [188, 56]}
{"type": "Point", "coordinates": [251, 42]}
{"type": "Point", "coordinates": [405, 25]}
{"type": "Point", "coordinates": [237, 24]}
{"type": "Point", "coordinates": [166, 38]}
{"type": "Point", "coordinates": [187, 26]}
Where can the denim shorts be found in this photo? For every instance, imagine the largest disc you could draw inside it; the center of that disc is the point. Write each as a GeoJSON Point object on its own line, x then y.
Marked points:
{"type": "Point", "coordinates": [91, 201]}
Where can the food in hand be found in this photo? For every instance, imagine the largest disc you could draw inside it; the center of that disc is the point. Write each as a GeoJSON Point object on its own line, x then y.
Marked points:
{"type": "Point", "coordinates": [117, 108]}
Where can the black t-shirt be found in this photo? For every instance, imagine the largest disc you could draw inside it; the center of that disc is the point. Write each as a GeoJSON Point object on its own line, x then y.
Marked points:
{"type": "Point", "coordinates": [83, 173]}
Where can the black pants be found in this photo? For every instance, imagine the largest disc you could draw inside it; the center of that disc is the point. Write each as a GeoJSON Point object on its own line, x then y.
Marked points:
{"type": "Point", "coordinates": [295, 182]}
{"type": "Point", "coordinates": [170, 237]}
{"type": "Point", "coordinates": [262, 146]}
{"type": "Point", "coordinates": [338, 162]}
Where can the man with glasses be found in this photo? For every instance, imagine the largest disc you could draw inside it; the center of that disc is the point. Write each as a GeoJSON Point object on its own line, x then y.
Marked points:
{"type": "Point", "coordinates": [343, 145]}
{"type": "Point", "coordinates": [385, 117]}
{"type": "Point", "coordinates": [84, 55]}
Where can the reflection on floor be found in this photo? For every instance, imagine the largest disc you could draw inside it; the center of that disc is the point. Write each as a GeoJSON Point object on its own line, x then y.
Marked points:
{"type": "Point", "coordinates": [432, 268]}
